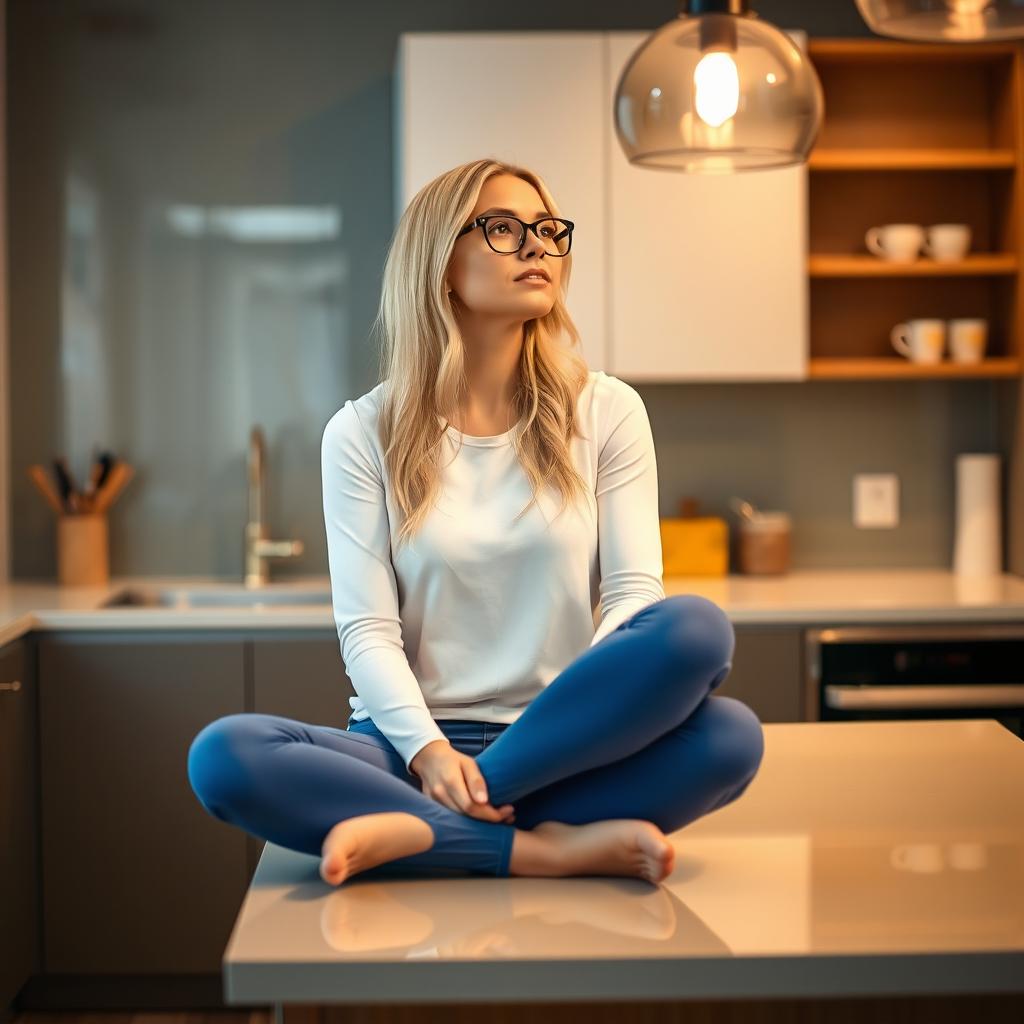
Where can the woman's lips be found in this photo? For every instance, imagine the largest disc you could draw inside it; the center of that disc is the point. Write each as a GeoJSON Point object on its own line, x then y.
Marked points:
{"type": "Point", "coordinates": [532, 280]}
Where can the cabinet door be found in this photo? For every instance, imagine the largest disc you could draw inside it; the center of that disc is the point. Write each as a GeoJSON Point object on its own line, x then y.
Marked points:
{"type": "Point", "coordinates": [138, 877]}
{"type": "Point", "coordinates": [19, 855]}
{"type": "Point", "coordinates": [767, 672]}
{"type": "Point", "coordinates": [707, 273]}
{"type": "Point", "coordinates": [301, 676]}
{"type": "Point", "coordinates": [530, 98]}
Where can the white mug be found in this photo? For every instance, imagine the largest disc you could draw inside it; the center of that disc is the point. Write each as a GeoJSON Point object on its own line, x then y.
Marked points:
{"type": "Point", "coordinates": [921, 858]}
{"type": "Point", "coordinates": [967, 856]}
{"type": "Point", "coordinates": [921, 340]}
{"type": "Point", "coordinates": [947, 242]}
{"type": "Point", "coordinates": [967, 338]}
{"type": "Point", "coordinates": [900, 243]}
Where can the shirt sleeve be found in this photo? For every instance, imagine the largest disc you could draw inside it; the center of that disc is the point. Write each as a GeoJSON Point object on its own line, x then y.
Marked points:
{"type": "Point", "coordinates": [629, 532]}
{"type": "Point", "coordinates": [364, 591]}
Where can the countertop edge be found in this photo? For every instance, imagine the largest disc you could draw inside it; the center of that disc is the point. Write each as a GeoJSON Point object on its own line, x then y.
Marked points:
{"type": "Point", "coordinates": [802, 598]}
{"type": "Point", "coordinates": [670, 978]}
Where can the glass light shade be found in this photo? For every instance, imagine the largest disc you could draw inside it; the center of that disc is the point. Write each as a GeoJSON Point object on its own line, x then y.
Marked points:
{"type": "Point", "coordinates": [718, 93]}
{"type": "Point", "coordinates": [945, 21]}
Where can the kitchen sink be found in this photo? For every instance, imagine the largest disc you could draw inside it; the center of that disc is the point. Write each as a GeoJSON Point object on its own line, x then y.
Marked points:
{"type": "Point", "coordinates": [217, 597]}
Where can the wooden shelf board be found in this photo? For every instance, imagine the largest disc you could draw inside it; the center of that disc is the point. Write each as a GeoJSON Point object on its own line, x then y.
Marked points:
{"type": "Point", "coordinates": [868, 265]}
{"type": "Point", "coordinates": [838, 49]}
{"type": "Point", "coordinates": [895, 367]}
{"type": "Point", "coordinates": [914, 159]}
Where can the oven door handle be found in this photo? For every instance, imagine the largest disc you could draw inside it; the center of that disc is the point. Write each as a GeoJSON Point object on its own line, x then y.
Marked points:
{"type": "Point", "coordinates": [908, 697]}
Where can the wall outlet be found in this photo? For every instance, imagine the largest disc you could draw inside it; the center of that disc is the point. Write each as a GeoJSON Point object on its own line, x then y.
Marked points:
{"type": "Point", "coordinates": [876, 500]}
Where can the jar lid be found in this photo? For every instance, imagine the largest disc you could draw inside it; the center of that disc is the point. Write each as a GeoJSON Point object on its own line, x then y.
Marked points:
{"type": "Point", "coordinates": [768, 521]}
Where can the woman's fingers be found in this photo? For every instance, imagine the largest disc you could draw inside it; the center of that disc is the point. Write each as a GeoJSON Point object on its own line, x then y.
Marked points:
{"type": "Point", "coordinates": [474, 780]}
{"type": "Point", "coordinates": [440, 793]}
{"type": "Point", "coordinates": [478, 789]}
{"type": "Point", "coordinates": [470, 807]}
{"type": "Point", "coordinates": [453, 793]}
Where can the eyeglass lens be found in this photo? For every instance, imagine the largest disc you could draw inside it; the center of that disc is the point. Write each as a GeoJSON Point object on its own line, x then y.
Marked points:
{"type": "Point", "coordinates": [506, 235]}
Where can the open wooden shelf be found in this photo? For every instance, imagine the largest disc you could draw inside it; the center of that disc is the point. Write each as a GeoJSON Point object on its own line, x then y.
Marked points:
{"type": "Point", "coordinates": [909, 135]}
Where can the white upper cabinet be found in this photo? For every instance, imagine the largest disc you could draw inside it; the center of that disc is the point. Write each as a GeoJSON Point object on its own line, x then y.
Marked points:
{"type": "Point", "coordinates": [707, 273]}
{"type": "Point", "coordinates": [676, 277]}
{"type": "Point", "coordinates": [529, 98]}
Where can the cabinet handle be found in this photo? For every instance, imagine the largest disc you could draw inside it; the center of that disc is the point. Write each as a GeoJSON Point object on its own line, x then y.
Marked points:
{"type": "Point", "coordinates": [14, 685]}
{"type": "Point", "coordinates": [920, 696]}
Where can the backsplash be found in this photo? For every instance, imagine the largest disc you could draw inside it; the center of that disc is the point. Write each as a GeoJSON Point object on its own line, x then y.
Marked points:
{"type": "Point", "coordinates": [201, 215]}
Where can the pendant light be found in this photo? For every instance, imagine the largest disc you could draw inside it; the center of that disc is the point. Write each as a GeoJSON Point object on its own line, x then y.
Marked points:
{"type": "Point", "coordinates": [945, 21]}
{"type": "Point", "coordinates": [718, 91]}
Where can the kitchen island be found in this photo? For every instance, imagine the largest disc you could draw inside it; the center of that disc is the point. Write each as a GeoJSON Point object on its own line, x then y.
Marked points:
{"type": "Point", "coordinates": [879, 861]}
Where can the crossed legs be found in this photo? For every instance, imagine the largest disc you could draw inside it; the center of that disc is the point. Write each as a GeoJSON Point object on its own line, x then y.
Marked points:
{"type": "Point", "coordinates": [630, 729]}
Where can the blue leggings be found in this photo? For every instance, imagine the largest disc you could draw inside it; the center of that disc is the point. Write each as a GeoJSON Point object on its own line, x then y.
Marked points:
{"type": "Point", "coordinates": [629, 729]}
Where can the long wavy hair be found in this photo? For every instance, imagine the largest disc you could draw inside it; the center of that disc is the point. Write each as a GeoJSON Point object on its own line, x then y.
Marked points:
{"type": "Point", "coordinates": [423, 354]}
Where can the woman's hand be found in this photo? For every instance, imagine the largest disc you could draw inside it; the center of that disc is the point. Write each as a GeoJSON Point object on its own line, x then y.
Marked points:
{"type": "Point", "coordinates": [453, 779]}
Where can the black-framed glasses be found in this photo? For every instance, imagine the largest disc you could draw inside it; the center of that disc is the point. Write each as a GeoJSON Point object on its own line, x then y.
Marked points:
{"type": "Point", "coordinates": [506, 234]}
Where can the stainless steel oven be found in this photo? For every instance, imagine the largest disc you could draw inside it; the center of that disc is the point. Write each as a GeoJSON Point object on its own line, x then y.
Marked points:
{"type": "Point", "coordinates": [937, 670]}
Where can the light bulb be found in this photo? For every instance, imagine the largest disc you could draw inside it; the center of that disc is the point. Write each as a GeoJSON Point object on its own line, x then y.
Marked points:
{"type": "Point", "coordinates": [717, 84]}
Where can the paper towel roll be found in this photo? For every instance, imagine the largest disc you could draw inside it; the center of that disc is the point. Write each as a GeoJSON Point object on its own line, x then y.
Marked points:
{"type": "Point", "coordinates": [977, 548]}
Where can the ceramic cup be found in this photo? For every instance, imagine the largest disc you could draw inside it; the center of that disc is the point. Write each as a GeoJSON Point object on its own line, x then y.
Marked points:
{"type": "Point", "coordinates": [967, 339]}
{"type": "Point", "coordinates": [947, 243]}
{"type": "Point", "coordinates": [921, 341]}
{"type": "Point", "coordinates": [900, 243]}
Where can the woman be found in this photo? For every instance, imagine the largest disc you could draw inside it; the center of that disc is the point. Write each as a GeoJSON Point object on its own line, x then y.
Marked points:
{"type": "Point", "coordinates": [494, 731]}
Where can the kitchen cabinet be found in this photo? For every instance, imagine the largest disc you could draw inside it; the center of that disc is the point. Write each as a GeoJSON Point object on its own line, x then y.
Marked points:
{"type": "Point", "coordinates": [119, 711]}
{"type": "Point", "coordinates": [767, 670]}
{"type": "Point", "coordinates": [707, 273]}
{"type": "Point", "coordinates": [19, 856]}
{"type": "Point", "coordinates": [658, 257]}
{"type": "Point", "coordinates": [301, 675]}
{"type": "Point", "coordinates": [530, 98]}
{"type": "Point", "coordinates": [137, 877]}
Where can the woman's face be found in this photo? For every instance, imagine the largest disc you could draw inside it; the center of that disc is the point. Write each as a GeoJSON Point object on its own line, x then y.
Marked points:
{"type": "Point", "coordinates": [483, 280]}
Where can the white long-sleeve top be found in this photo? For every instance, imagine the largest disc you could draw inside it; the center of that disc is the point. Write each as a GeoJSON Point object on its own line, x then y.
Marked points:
{"type": "Point", "coordinates": [475, 615]}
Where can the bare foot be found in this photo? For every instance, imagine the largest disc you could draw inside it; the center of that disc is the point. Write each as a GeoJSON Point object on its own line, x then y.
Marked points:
{"type": "Point", "coordinates": [619, 846]}
{"type": "Point", "coordinates": [363, 842]}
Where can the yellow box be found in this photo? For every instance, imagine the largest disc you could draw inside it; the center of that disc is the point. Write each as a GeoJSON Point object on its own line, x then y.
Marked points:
{"type": "Point", "coordinates": [695, 546]}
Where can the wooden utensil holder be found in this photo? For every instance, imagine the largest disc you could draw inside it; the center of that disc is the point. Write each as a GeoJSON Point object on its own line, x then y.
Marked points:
{"type": "Point", "coordinates": [82, 549]}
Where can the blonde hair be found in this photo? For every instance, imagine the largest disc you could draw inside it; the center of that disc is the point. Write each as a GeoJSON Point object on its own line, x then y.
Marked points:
{"type": "Point", "coordinates": [423, 354]}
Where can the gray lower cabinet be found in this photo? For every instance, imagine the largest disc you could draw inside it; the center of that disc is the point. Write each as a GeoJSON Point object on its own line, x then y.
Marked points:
{"type": "Point", "coordinates": [767, 668]}
{"type": "Point", "coordinates": [19, 854]}
{"type": "Point", "coordinates": [137, 877]}
{"type": "Point", "coordinates": [301, 675]}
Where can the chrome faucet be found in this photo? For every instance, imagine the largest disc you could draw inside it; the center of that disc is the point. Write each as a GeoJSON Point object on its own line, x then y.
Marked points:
{"type": "Point", "coordinates": [258, 548]}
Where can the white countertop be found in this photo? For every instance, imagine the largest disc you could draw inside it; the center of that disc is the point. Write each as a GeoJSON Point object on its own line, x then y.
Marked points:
{"type": "Point", "coordinates": [866, 858]}
{"type": "Point", "coordinates": [825, 596]}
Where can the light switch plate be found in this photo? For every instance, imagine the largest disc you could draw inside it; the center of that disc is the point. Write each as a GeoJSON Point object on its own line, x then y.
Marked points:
{"type": "Point", "coordinates": [876, 498]}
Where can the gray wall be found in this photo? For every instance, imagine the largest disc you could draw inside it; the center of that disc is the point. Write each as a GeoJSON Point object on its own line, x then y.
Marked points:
{"type": "Point", "coordinates": [140, 325]}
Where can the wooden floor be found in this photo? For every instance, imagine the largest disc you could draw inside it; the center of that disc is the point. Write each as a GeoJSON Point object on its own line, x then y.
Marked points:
{"type": "Point", "coordinates": [149, 1017]}
{"type": "Point", "coordinates": [909, 1010]}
